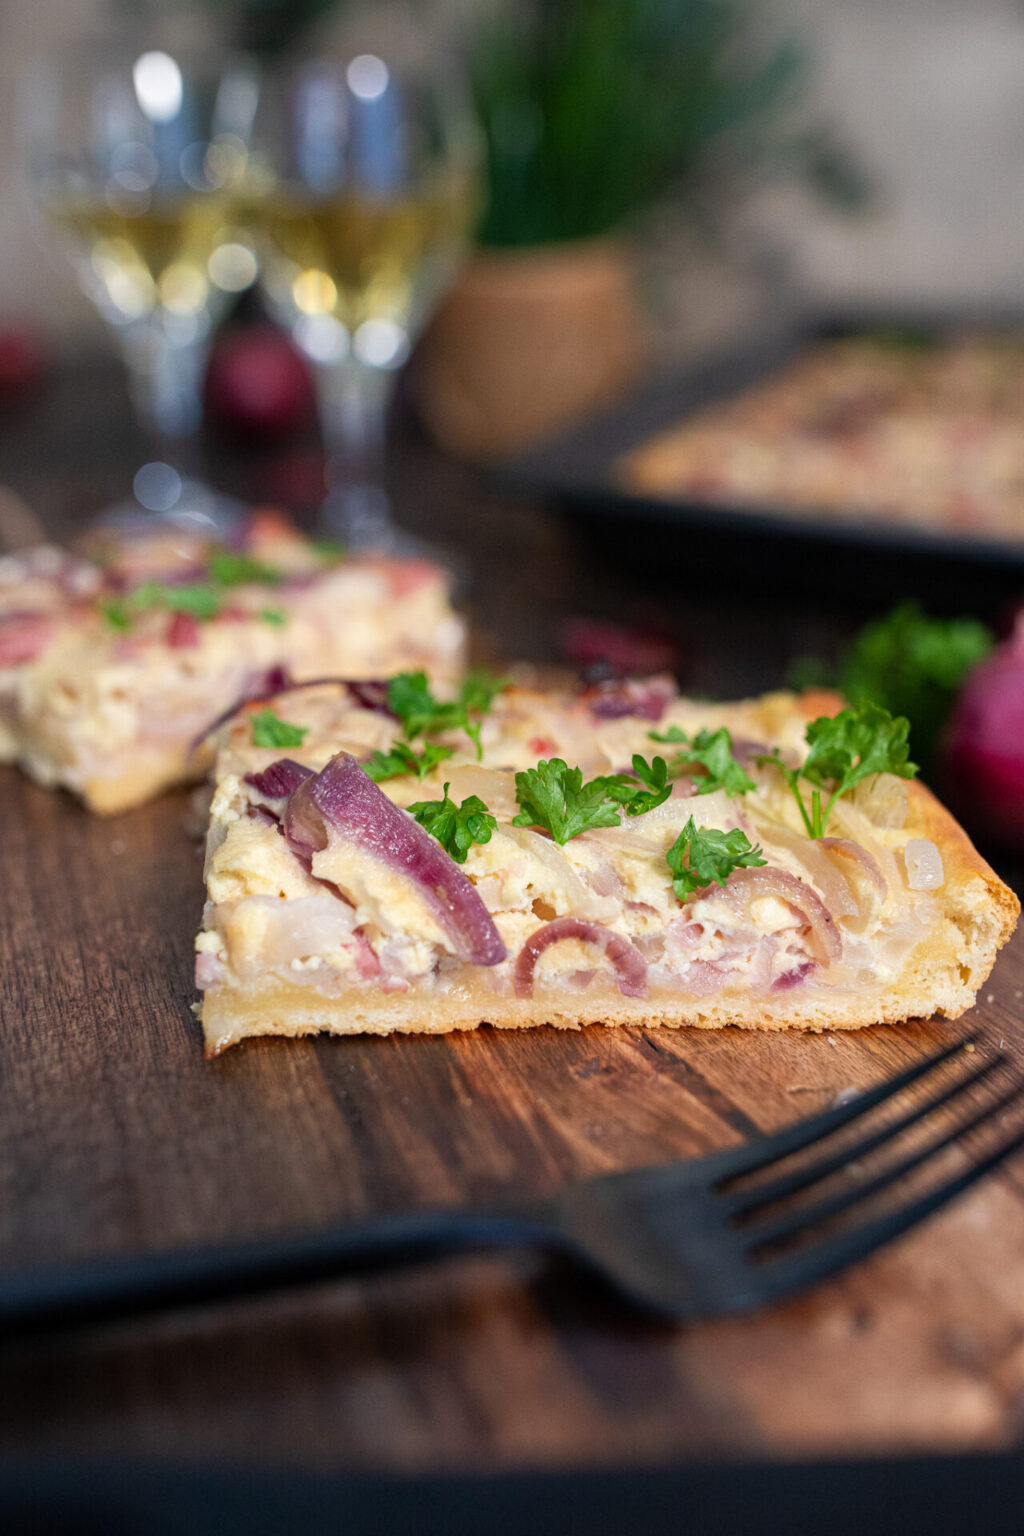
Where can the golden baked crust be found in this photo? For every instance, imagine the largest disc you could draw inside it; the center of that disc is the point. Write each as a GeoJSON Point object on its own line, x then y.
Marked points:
{"type": "Point", "coordinates": [955, 930]}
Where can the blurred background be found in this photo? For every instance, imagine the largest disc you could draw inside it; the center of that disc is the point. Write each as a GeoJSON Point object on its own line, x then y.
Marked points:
{"type": "Point", "coordinates": [920, 100]}
{"type": "Point", "coordinates": [496, 219]}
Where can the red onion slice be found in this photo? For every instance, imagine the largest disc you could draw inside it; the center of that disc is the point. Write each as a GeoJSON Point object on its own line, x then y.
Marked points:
{"type": "Point", "coordinates": [848, 849]}
{"type": "Point", "coordinates": [265, 686]}
{"type": "Point", "coordinates": [340, 804]}
{"type": "Point", "coordinates": [630, 965]}
{"type": "Point", "coordinates": [647, 697]}
{"type": "Point", "coordinates": [790, 979]}
{"type": "Point", "coordinates": [280, 780]}
{"type": "Point", "coordinates": [745, 884]}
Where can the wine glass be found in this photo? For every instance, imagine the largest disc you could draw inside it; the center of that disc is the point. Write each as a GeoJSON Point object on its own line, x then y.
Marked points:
{"type": "Point", "coordinates": [366, 170]}
{"type": "Point", "coordinates": [137, 157]}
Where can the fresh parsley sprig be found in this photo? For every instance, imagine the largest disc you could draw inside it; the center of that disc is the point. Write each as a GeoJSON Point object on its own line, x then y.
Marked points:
{"type": "Point", "coordinates": [268, 730]}
{"type": "Point", "coordinates": [456, 827]}
{"type": "Point", "coordinates": [847, 748]}
{"type": "Point", "coordinates": [652, 790]}
{"type": "Point", "coordinates": [402, 758]}
{"type": "Point", "coordinates": [410, 698]}
{"type": "Point", "coordinates": [702, 856]}
{"type": "Point", "coordinates": [712, 751]}
{"type": "Point", "coordinates": [554, 796]}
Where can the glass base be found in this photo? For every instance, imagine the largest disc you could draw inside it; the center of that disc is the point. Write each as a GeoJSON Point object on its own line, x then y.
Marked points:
{"type": "Point", "coordinates": [161, 494]}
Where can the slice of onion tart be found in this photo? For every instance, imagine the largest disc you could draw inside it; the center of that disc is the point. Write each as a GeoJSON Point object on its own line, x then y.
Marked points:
{"type": "Point", "coordinates": [114, 662]}
{"type": "Point", "coordinates": [380, 859]}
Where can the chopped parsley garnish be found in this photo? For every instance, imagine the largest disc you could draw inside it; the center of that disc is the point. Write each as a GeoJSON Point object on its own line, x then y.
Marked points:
{"type": "Point", "coordinates": [229, 569]}
{"type": "Point", "coordinates": [115, 612]}
{"type": "Point", "coordinates": [712, 751]}
{"type": "Point", "coordinates": [198, 598]}
{"type": "Point", "coordinates": [847, 748]}
{"type": "Point", "coordinates": [652, 790]}
{"type": "Point", "coordinates": [270, 731]}
{"type": "Point", "coordinates": [456, 827]}
{"type": "Point", "coordinates": [702, 856]}
{"type": "Point", "coordinates": [411, 699]}
{"type": "Point", "coordinates": [402, 758]}
{"type": "Point", "coordinates": [554, 796]}
{"type": "Point", "coordinates": [202, 599]}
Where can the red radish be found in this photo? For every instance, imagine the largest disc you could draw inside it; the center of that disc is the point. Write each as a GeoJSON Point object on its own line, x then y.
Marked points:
{"type": "Point", "coordinates": [258, 386]}
{"type": "Point", "coordinates": [984, 745]}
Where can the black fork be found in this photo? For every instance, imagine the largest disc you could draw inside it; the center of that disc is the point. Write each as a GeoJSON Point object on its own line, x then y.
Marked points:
{"type": "Point", "coordinates": [683, 1240]}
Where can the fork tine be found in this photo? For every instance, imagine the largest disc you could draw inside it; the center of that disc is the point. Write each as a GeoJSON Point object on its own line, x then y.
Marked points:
{"type": "Point", "coordinates": [751, 1156]}
{"type": "Point", "coordinates": [799, 1270]}
{"type": "Point", "coordinates": [812, 1173]}
{"type": "Point", "coordinates": [788, 1225]}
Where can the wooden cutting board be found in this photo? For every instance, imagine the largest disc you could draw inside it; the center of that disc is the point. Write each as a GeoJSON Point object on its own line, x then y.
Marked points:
{"type": "Point", "coordinates": [116, 1135]}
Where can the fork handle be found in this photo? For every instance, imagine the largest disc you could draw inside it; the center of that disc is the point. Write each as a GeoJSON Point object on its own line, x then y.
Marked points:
{"type": "Point", "coordinates": [102, 1289]}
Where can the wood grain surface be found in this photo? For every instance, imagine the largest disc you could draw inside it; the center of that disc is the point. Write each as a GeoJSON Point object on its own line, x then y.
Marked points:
{"type": "Point", "coordinates": [116, 1135]}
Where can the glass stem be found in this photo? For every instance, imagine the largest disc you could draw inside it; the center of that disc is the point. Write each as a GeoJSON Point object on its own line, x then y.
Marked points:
{"type": "Point", "coordinates": [354, 399]}
{"type": "Point", "coordinates": [165, 379]}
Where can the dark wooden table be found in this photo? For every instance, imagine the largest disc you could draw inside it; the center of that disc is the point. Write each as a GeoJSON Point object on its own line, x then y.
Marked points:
{"type": "Point", "coordinates": [116, 1136]}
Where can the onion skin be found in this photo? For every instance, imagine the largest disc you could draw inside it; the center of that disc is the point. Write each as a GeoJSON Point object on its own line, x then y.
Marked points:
{"type": "Point", "coordinates": [341, 804]}
{"type": "Point", "coordinates": [746, 884]}
{"type": "Point", "coordinates": [630, 965]}
{"type": "Point", "coordinates": [983, 752]}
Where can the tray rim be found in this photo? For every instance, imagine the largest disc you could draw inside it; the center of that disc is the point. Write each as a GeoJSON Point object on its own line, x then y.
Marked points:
{"type": "Point", "coordinates": [574, 468]}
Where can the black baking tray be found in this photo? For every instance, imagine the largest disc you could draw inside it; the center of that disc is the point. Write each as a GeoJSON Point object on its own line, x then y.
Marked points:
{"type": "Point", "coordinates": [860, 563]}
{"type": "Point", "coordinates": [923, 1496]}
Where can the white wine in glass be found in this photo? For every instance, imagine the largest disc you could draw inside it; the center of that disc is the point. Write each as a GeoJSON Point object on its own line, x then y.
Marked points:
{"type": "Point", "coordinates": [138, 158]}
{"type": "Point", "coordinates": [370, 177]}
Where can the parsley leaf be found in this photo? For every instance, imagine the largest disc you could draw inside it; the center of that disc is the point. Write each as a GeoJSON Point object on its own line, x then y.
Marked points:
{"type": "Point", "coordinates": [115, 611]}
{"type": "Point", "coordinates": [479, 690]}
{"type": "Point", "coordinates": [456, 827]}
{"type": "Point", "coordinates": [712, 751]}
{"type": "Point", "coordinates": [846, 748]}
{"type": "Point", "coordinates": [198, 598]}
{"type": "Point", "coordinates": [652, 790]}
{"type": "Point", "coordinates": [554, 796]}
{"type": "Point", "coordinates": [230, 569]}
{"type": "Point", "coordinates": [273, 616]}
{"type": "Point", "coordinates": [411, 699]}
{"type": "Point", "coordinates": [269, 731]}
{"type": "Point", "coordinates": [701, 856]}
{"type": "Point", "coordinates": [402, 758]}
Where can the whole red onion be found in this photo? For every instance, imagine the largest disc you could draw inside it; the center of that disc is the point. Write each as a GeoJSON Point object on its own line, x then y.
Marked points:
{"type": "Point", "coordinates": [258, 385]}
{"type": "Point", "coordinates": [983, 751]}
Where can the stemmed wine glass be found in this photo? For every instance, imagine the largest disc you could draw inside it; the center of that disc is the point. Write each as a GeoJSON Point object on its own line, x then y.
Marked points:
{"type": "Point", "coordinates": [366, 170]}
{"type": "Point", "coordinates": [138, 158]}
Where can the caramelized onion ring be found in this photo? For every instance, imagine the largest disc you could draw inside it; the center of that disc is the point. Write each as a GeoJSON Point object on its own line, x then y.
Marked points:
{"type": "Point", "coordinates": [630, 965]}
{"type": "Point", "coordinates": [744, 884]}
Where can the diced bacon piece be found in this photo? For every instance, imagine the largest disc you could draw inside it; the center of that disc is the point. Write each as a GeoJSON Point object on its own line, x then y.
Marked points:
{"type": "Point", "coordinates": [183, 632]}
{"type": "Point", "coordinates": [24, 636]}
